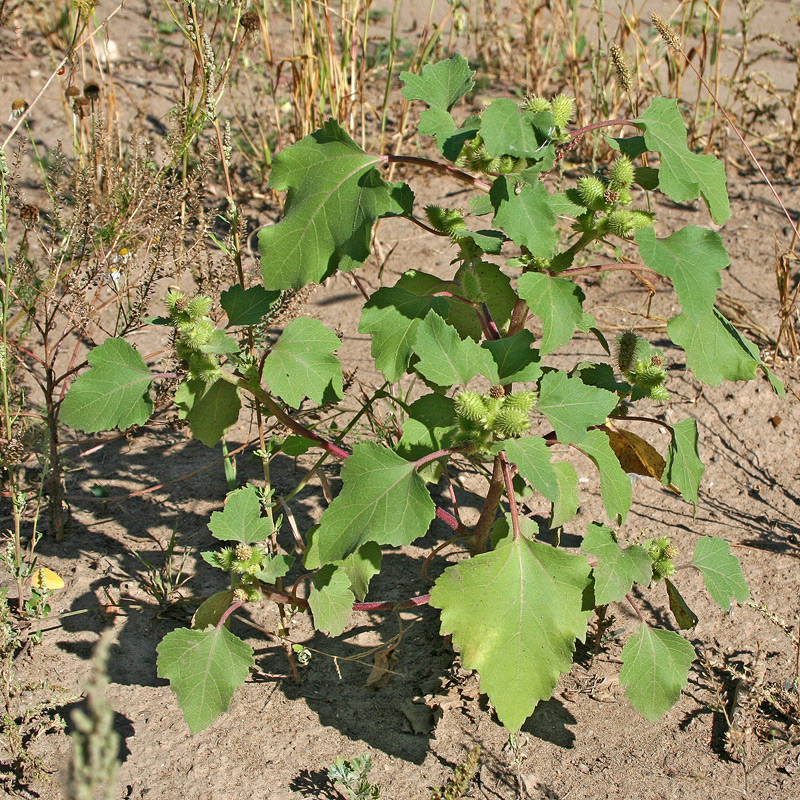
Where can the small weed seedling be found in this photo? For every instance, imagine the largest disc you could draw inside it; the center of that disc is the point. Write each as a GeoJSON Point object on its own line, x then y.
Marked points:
{"type": "Point", "coordinates": [516, 607]}
{"type": "Point", "coordinates": [351, 778]}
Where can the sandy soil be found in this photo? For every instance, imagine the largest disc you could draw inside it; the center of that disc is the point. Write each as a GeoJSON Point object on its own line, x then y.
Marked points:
{"type": "Point", "coordinates": [279, 737]}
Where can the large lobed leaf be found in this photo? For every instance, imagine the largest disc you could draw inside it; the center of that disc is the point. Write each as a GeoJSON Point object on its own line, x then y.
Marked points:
{"type": "Point", "coordinates": [210, 408]}
{"type": "Point", "coordinates": [383, 500]}
{"type": "Point", "coordinates": [515, 613]}
{"type": "Point", "coordinates": [334, 196]}
{"type": "Point", "coordinates": [114, 393]}
{"type": "Point", "coordinates": [524, 213]}
{"type": "Point", "coordinates": [572, 406]}
{"type": "Point", "coordinates": [655, 668]}
{"type": "Point", "coordinates": [241, 519]}
{"type": "Point", "coordinates": [683, 175]}
{"type": "Point", "coordinates": [558, 303]}
{"type": "Point", "coordinates": [204, 668]}
{"type": "Point", "coordinates": [683, 468]}
{"type": "Point", "coordinates": [303, 364]}
{"type": "Point", "coordinates": [615, 485]}
{"type": "Point", "coordinates": [445, 358]}
{"type": "Point", "coordinates": [618, 568]}
{"type": "Point", "coordinates": [722, 572]}
{"type": "Point", "coordinates": [531, 456]}
{"type": "Point", "coordinates": [692, 259]}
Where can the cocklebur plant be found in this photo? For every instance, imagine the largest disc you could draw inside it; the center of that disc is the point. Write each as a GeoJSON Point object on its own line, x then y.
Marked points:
{"type": "Point", "coordinates": [516, 608]}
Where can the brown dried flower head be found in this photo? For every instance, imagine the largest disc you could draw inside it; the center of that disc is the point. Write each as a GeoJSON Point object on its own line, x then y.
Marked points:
{"type": "Point", "coordinates": [497, 392]}
{"type": "Point", "coordinates": [250, 22]}
{"type": "Point", "coordinates": [92, 91]}
{"type": "Point", "coordinates": [81, 106]}
{"type": "Point", "coordinates": [30, 216]}
{"type": "Point", "coordinates": [18, 108]}
{"type": "Point", "coordinates": [71, 92]}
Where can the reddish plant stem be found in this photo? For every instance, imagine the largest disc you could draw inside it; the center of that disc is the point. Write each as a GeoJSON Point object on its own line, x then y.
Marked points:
{"type": "Point", "coordinates": [421, 462]}
{"type": "Point", "coordinates": [483, 528]}
{"type": "Point", "coordinates": [605, 268]}
{"type": "Point", "coordinates": [301, 430]}
{"type": "Point", "coordinates": [634, 607]}
{"type": "Point", "coordinates": [439, 167]}
{"type": "Point", "coordinates": [609, 123]}
{"type": "Point", "coordinates": [228, 611]}
{"type": "Point", "coordinates": [512, 501]}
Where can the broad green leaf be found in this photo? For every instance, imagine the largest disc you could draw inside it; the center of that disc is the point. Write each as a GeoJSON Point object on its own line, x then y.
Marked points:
{"type": "Point", "coordinates": [452, 147]}
{"type": "Point", "coordinates": [383, 500]}
{"type": "Point", "coordinates": [558, 303]}
{"type": "Point", "coordinates": [615, 485]}
{"type": "Point", "coordinates": [631, 146]}
{"type": "Point", "coordinates": [488, 241]}
{"type": "Point", "coordinates": [516, 360]}
{"type": "Point", "coordinates": [524, 213]}
{"type": "Point", "coordinates": [210, 408]}
{"type": "Point", "coordinates": [439, 123]}
{"type": "Point", "coordinates": [297, 445]}
{"type": "Point", "coordinates": [360, 568]}
{"type": "Point", "coordinates": [220, 344]}
{"type": "Point", "coordinates": [460, 315]}
{"type": "Point", "coordinates": [684, 469]}
{"type": "Point", "coordinates": [683, 175]}
{"type": "Point", "coordinates": [392, 316]}
{"type": "Point", "coordinates": [515, 613]}
{"type": "Point", "coordinates": [275, 567]}
{"type": "Point", "coordinates": [618, 568]}
{"type": "Point", "coordinates": [685, 617]}
{"type": "Point", "coordinates": [566, 506]}
{"type": "Point", "coordinates": [531, 455]}
{"type": "Point", "coordinates": [722, 572]}
{"type": "Point", "coordinates": [572, 406]}
{"type": "Point", "coordinates": [445, 358]}
{"type": "Point", "coordinates": [600, 375]}
{"type": "Point", "coordinates": [334, 196]}
{"type": "Point", "coordinates": [691, 258]}
{"type": "Point", "coordinates": [430, 425]}
{"type": "Point", "coordinates": [303, 364]}
{"type": "Point", "coordinates": [508, 130]}
{"type": "Point", "coordinates": [247, 306]}
{"type": "Point", "coordinates": [331, 600]}
{"type": "Point", "coordinates": [439, 85]}
{"type": "Point", "coordinates": [204, 669]}
{"type": "Point", "coordinates": [240, 520]}
{"type": "Point", "coordinates": [491, 286]}
{"type": "Point", "coordinates": [752, 350]}
{"type": "Point", "coordinates": [114, 393]}
{"type": "Point", "coordinates": [655, 668]}
{"type": "Point", "coordinates": [212, 609]}
{"type": "Point", "coordinates": [712, 354]}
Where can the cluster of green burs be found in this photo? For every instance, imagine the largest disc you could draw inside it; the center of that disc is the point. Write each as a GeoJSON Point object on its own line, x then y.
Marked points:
{"type": "Point", "coordinates": [642, 366]}
{"type": "Point", "coordinates": [195, 331]}
{"type": "Point", "coordinates": [474, 155]}
{"type": "Point", "coordinates": [662, 553]}
{"type": "Point", "coordinates": [484, 418]}
{"type": "Point", "coordinates": [245, 563]}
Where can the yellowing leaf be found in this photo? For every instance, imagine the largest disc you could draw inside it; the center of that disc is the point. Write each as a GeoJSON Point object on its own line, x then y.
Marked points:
{"type": "Point", "coordinates": [44, 578]}
{"type": "Point", "coordinates": [635, 454]}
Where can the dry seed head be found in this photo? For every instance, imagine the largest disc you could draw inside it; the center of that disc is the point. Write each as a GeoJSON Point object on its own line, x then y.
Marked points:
{"type": "Point", "coordinates": [92, 91]}
{"type": "Point", "coordinates": [30, 216]}
{"type": "Point", "coordinates": [497, 392]}
{"type": "Point", "coordinates": [71, 92]}
{"type": "Point", "coordinates": [666, 32]}
{"type": "Point", "coordinates": [81, 105]}
{"type": "Point", "coordinates": [18, 108]}
{"type": "Point", "coordinates": [250, 22]}
{"type": "Point", "coordinates": [623, 73]}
